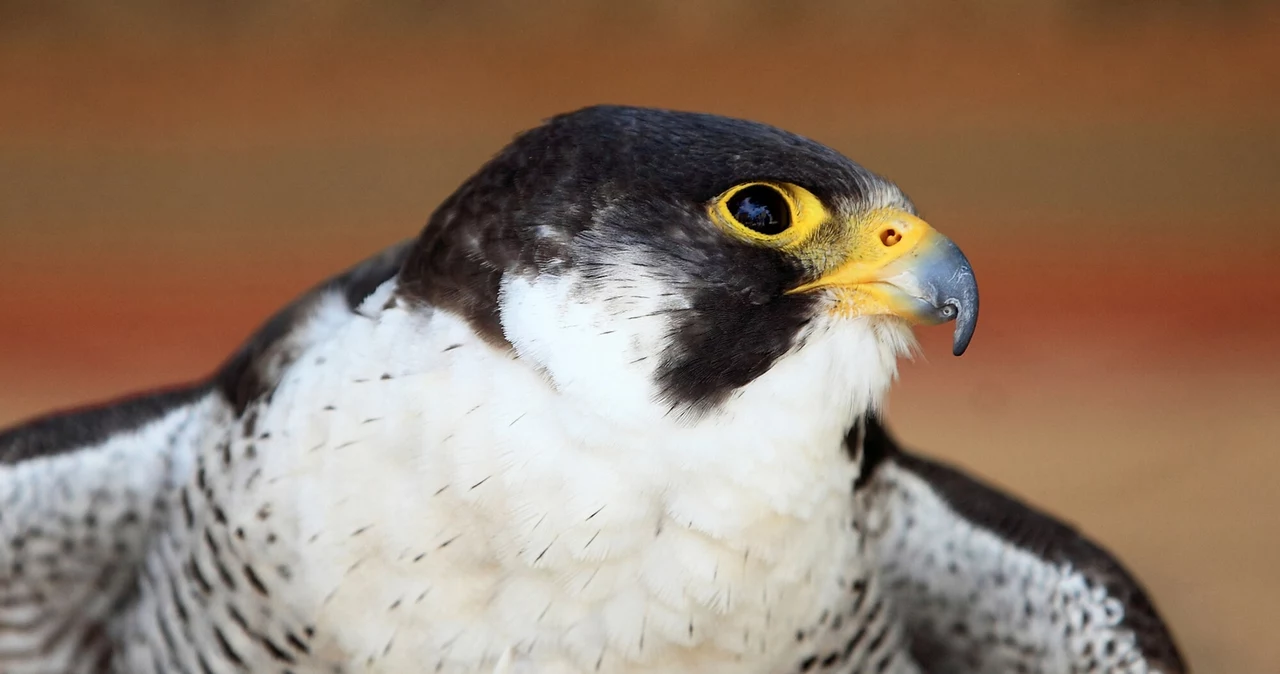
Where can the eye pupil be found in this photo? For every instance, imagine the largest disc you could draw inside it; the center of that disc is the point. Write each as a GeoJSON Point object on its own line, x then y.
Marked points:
{"type": "Point", "coordinates": [761, 208]}
{"type": "Point", "coordinates": [758, 215]}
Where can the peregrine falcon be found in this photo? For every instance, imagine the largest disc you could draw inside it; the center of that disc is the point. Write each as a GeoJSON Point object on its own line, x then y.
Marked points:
{"type": "Point", "coordinates": [613, 410]}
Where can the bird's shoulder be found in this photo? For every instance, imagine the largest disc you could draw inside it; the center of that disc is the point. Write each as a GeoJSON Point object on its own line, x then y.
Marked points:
{"type": "Point", "coordinates": [257, 367]}
{"type": "Point", "coordinates": [83, 489]}
{"type": "Point", "coordinates": [247, 375]}
{"type": "Point", "coordinates": [981, 574]}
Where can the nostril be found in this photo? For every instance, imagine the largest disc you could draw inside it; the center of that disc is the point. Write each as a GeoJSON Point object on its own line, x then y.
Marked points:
{"type": "Point", "coordinates": [890, 237]}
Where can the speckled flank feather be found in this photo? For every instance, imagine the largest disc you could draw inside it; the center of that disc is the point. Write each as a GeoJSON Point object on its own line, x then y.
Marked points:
{"type": "Point", "coordinates": [93, 503]}
{"type": "Point", "coordinates": [75, 521]}
{"type": "Point", "coordinates": [985, 584]}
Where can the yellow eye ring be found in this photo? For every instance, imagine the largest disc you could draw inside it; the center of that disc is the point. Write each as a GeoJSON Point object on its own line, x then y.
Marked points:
{"type": "Point", "coordinates": [769, 213]}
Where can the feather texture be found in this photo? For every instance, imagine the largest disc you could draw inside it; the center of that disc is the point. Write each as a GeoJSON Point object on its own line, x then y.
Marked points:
{"type": "Point", "coordinates": [987, 584]}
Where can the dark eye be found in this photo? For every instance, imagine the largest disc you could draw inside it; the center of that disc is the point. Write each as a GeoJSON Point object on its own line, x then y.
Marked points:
{"type": "Point", "coordinates": [761, 208]}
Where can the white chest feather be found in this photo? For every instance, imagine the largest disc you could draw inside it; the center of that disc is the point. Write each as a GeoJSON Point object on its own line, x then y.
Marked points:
{"type": "Point", "coordinates": [457, 512]}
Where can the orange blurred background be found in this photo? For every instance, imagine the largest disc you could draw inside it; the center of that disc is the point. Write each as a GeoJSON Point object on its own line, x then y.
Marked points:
{"type": "Point", "coordinates": [171, 172]}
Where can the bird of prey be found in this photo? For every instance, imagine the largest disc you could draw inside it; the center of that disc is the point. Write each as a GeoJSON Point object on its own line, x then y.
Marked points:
{"type": "Point", "coordinates": [614, 410]}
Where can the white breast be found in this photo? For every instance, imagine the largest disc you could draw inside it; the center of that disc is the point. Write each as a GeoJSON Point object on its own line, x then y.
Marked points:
{"type": "Point", "coordinates": [455, 513]}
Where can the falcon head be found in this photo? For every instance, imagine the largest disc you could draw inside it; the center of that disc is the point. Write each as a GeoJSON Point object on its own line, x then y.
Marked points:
{"type": "Point", "coordinates": [649, 262]}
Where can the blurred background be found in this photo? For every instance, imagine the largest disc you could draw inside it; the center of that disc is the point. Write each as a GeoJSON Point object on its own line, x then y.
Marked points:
{"type": "Point", "coordinates": [172, 171]}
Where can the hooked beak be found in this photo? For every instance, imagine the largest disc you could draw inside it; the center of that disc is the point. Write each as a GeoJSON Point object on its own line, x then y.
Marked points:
{"type": "Point", "coordinates": [899, 265]}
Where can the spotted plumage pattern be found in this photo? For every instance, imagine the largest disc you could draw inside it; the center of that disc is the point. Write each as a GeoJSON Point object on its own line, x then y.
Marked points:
{"type": "Point", "coordinates": [573, 427]}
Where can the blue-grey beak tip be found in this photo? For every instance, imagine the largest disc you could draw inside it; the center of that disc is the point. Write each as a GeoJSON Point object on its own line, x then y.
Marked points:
{"type": "Point", "coordinates": [952, 291]}
{"type": "Point", "coordinates": [966, 322]}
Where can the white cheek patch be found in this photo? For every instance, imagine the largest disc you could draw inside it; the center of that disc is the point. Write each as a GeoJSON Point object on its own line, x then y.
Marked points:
{"type": "Point", "coordinates": [601, 345]}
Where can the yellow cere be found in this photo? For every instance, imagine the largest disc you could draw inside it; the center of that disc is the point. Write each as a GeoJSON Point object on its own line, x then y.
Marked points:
{"type": "Point", "coordinates": [873, 243]}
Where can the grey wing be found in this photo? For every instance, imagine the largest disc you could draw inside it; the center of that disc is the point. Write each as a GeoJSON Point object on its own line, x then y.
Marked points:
{"type": "Point", "coordinates": [985, 583]}
{"type": "Point", "coordinates": [80, 492]}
